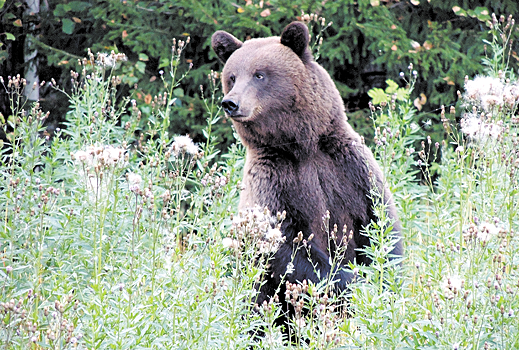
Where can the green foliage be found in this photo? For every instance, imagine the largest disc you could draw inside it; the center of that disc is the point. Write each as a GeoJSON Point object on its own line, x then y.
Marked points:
{"type": "Point", "coordinates": [364, 43]}
{"type": "Point", "coordinates": [393, 90]}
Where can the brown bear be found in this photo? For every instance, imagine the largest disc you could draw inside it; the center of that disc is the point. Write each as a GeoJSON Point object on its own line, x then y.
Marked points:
{"type": "Point", "coordinates": [302, 155]}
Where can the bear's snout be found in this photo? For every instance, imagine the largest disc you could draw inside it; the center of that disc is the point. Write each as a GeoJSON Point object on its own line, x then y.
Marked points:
{"type": "Point", "coordinates": [230, 107]}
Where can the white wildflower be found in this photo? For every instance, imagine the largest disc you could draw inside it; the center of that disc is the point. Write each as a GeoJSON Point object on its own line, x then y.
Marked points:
{"type": "Point", "coordinates": [300, 322]}
{"type": "Point", "coordinates": [486, 230]}
{"type": "Point", "coordinates": [477, 129]}
{"type": "Point", "coordinates": [290, 268]}
{"type": "Point", "coordinates": [112, 156]}
{"type": "Point", "coordinates": [451, 286]}
{"type": "Point", "coordinates": [110, 60]}
{"type": "Point", "coordinates": [230, 243]}
{"type": "Point", "coordinates": [487, 92]}
{"type": "Point", "coordinates": [273, 234]}
{"type": "Point", "coordinates": [134, 182]}
{"type": "Point", "coordinates": [511, 95]}
{"type": "Point", "coordinates": [147, 193]}
{"type": "Point", "coordinates": [183, 144]}
{"type": "Point", "coordinates": [488, 102]}
{"type": "Point", "coordinates": [82, 157]}
{"type": "Point", "coordinates": [482, 86]}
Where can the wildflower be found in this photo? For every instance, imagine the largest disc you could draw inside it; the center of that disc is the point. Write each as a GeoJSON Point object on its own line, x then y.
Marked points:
{"type": "Point", "coordinates": [290, 268]}
{"type": "Point", "coordinates": [230, 243]}
{"type": "Point", "coordinates": [81, 156]}
{"type": "Point", "coordinates": [482, 86]}
{"type": "Point", "coordinates": [488, 92]}
{"type": "Point", "coordinates": [135, 181]}
{"type": "Point", "coordinates": [183, 144]}
{"type": "Point", "coordinates": [452, 285]}
{"type": "Point", "coordinates": [486, 230]}
{"type": "Point", "coordinates": [111, 156]}
{"type": "Point", "coordinates": [110, 60]}
{"type": "Point", "coordinates": [300, 322]}
{"type": "Point", "coordinates": [477, 129]}
{"type": "Point", "coordinates": [273, 234]}
{"type": "Point", "coordinates": [511, 95]}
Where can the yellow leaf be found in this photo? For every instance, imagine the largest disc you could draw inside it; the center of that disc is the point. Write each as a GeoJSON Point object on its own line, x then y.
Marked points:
{"type": "Point", "coordinates": [394, 48]}
{"type": "Point", "coordinates": [375, 2]}
{"type": "Point", "coordinates": [75, 19]}
{"type": "Point", "coordinates": [63, 62]}
{"type": "Point", "coordinates": [18, 23]}
{"type": "Point", "coordinates": [415, 2]}
{"type": "Point", "coordinates": [240, 10]}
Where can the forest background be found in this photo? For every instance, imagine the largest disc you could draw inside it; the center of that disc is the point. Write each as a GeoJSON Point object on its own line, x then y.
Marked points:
{"type": "Point", "coordinates": [364, 44]}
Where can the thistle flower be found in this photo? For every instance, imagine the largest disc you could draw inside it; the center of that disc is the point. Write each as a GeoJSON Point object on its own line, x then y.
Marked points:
{"type": "Point", "coordinates": [486, 230]}
{"type": "Point", "coordinates": [110, 60]}
{"type": "Point", "coordinates": [481, 86]}
{"type": "Point", "coordinates": [477, 129]}
{"type": "Point", "coordinates": [230, 243]}
{"type": "Point", "coordinates": [183, 144]}
{"type": "Point", "coordinates": [134, 181]}
{"type": "Point", "coordinates": [451, 286]}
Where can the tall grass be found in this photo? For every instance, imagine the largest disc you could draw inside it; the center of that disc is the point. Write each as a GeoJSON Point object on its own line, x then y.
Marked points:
{"type": "Point", "coordinates": [118, 235]}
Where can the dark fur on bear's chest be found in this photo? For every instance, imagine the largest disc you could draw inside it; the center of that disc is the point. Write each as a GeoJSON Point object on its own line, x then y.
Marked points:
{"type": "Point", "coordinates": [333, 179]}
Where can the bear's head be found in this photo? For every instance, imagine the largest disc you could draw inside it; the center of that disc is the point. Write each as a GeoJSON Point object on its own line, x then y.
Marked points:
{"type": "Point", "coordinates": [274, 91]}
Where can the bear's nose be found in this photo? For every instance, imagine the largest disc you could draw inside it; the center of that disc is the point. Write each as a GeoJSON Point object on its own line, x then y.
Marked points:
{"type": "Point", "coordinates": [230, 107]}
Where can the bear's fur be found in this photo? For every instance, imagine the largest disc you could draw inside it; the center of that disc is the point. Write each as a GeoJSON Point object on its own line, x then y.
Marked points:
{"type": "Point", "coordinates": [302, 155]}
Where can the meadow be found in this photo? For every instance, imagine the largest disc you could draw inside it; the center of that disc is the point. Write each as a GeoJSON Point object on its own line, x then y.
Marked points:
{"type": "Point", "coordinates": [118, 235]}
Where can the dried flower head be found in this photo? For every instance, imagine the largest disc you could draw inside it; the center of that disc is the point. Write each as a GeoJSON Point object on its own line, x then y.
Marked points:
{"type": "Point", "coordinates": [183, 145]}
{"type": "Point", "coordinates": [479, 130]}
{"type": "Point", "coordinates": [134, 182]}
{"type": "Point", "coordinates": [110, 60]}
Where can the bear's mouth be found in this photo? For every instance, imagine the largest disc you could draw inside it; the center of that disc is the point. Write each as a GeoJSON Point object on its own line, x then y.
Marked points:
{"type": "Point", "coordinates": [239, 118]}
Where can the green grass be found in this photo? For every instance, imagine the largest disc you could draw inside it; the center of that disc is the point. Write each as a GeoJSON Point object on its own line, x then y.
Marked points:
{"type": "Point", "coordinates": [117, 235]}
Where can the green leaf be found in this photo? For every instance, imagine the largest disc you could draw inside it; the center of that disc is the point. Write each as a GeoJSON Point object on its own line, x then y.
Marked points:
{"type": "Point", "coordinates": [482, 13]}
{"type": "Point", "coordinates": [61, 10]}
{"type": "Point", "coordinates": [141, 66]}
{"type": "Point", "coordinates": [143, 57]}
{"type": "Point", "coordinates": [79, 5]}
{"type": "Point", "coordinates": [178, 92]}
{"type": "Point", "coordinates": [10, 36]}
{"type": "Point", "coordinates": [2, 3]}
{"type": "Point", "coordinates": [68, 26]}
{"type": "Point", "coordinates": [378, 95]}
{"type": "Point", "coordinates": [391, 87]}
{"type": "Point", "coordinates": [402, 94]}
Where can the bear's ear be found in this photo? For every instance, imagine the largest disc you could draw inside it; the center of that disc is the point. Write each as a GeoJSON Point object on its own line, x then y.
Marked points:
{"type": "Point", "coordinates": [224, 44]}
{"type": "Point", "coordinates": [296, 36]}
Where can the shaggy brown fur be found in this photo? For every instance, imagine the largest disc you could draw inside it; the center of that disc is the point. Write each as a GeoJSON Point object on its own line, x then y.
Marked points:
{"type": "Point", "coordinates": [302, 155]}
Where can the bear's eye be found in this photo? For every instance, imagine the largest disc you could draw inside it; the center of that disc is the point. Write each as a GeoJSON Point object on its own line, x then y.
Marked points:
{"type": "Point", "coordinates": [232, 78]}
{"type": "Point", "coordinates": [259, 76]}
